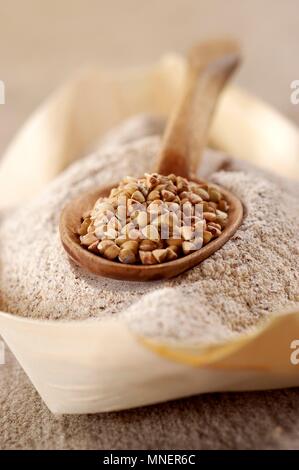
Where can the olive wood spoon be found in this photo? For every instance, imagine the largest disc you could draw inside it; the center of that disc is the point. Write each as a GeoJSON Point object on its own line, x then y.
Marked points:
{"type": "Point", "coordinates": [210, 65]}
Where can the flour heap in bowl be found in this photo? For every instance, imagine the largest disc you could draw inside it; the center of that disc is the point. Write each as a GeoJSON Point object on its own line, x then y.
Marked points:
{"type": "Point", "coordinates": [252, 276]}
{"type": "Point", "coordinates": [154, 219]}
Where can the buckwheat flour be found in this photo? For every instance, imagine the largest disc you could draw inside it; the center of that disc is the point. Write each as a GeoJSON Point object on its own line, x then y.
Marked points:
{"type": "Point", "coordinates": [254, 274]}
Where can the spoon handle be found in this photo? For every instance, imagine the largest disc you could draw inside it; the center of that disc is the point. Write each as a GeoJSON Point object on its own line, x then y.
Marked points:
{"type": "Point", "coordinates": [210, 65]}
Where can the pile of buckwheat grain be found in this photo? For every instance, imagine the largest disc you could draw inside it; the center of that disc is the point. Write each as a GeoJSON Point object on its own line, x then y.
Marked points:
{"type": "Point", "coordinates": [154, 219]}
{"type": "Point", "coordinates": [253, 274]}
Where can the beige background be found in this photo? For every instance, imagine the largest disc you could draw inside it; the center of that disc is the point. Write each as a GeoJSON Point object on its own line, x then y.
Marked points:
{"type": "Point", "coordinates": [43, 42]}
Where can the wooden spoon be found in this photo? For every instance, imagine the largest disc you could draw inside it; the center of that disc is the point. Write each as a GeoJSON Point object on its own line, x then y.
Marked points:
{"type": "Point", "coordinates": [210, 65]}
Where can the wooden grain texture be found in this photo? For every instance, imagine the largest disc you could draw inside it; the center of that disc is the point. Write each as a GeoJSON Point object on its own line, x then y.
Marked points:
{"type": "Point", "coordinates": [210, 65]}
{"type": "Point", "coordinates": [71, 220]}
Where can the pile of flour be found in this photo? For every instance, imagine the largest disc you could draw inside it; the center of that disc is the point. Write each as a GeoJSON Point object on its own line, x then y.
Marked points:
{"type": "Point", "coordinates": [254, 274]}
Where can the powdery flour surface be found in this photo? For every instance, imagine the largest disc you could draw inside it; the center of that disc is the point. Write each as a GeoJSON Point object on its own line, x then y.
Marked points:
{"type": "Point", "coordinates": [254, 274]}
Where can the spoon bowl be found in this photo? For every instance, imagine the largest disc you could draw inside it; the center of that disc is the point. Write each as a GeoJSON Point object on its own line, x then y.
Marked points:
{"type": "Point", "coordinates": [71, 220]}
